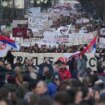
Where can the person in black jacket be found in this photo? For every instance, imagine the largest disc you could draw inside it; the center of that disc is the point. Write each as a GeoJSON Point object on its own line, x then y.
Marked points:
{"type": "Point", "coordinates": [46, 63]}
{"type": "Point", "coordinates": [73, 67]}
{"type": "Point", "coordinates": [9, 58]}
{"type": "Point", "coordinates": [2, 74]}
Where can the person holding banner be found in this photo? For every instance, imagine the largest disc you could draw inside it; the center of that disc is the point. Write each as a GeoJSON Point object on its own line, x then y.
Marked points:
{"type": "Point", "coordinates": [64, 72]}
{"type": "Point", "coordinates": [81, 64]}
{"type": "Point", "coordinates": [9, 57]}
{"type": "Point", "coordinates": [73, 67]}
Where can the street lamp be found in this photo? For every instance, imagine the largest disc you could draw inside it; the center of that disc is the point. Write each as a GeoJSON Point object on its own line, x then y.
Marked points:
{"type": "Point", "coordinates": [38, 2]}
{"type": "Point", "coordinates": [41, 1]}
{"type": "Point", "coordinates": [44, 4]}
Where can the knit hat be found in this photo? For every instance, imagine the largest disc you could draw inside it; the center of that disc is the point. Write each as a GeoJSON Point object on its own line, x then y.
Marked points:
{"type": "Point", "coordinates": [56, 76]}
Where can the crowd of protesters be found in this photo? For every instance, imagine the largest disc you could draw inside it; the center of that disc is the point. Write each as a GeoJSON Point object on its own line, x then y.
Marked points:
{"type": "Point", "coordinates": [77, 21]}
{"type": "Point", "coordinates": [45, 49]}
{"type": "Point", "coordinates": [61, 48]}
{"type": "Point", "coordinates": [64, 82]}
{"type": "Point", "coordinates": [90, 26]}
{"type": "Point", "coordinates": [51, 83]}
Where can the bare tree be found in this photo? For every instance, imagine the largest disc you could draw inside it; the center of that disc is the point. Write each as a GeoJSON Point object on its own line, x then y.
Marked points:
{"type": "Point", "coordinates": [97, 6]}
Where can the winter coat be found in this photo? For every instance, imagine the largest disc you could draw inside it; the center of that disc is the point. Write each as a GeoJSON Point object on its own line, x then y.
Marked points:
{"type": "Point", "coordinates": [65, 74]}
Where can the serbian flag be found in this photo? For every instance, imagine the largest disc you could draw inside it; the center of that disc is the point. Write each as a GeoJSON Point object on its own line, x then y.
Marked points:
{"type": "Point", "coordinates": [89, 45]}
{"type": "Point", "coordinates": [5, 45]}
{"type": "Point", "coordinates": [8, 41]}
{"type": "Point", "coordinates": [94, 49]}
{"type": "Point", "coordinates": [86, 48]}
{"type": "Point", "coordinates": [78, 53]}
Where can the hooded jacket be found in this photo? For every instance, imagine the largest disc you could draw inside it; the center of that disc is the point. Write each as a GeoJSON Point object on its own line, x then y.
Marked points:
{"type": "Point", "coordinates": [64, 74]}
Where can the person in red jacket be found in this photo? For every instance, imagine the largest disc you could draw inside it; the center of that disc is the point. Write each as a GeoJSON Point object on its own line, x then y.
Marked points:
{"type": "Point", "coordinates": [64, 72]}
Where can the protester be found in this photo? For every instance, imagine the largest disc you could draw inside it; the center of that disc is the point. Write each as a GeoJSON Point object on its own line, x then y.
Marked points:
{"type": "Point", "coordinates": [45, 101]}
{"type": "Point", "coordinates": [41, 88]}
{"type": "Point", "coordinates": [4, 102]}
{"type": "Point", "coordinates": [42, 68]}
{"type": "Point", "coordinates": [2, 73]}
{"type": "Point", "coordinates": [64, 72]}
{"type": "Point", "coordinates": [30, 73]}
{"type": "Point", "coordinates": [56, 82]}
{"type": "Point", "coordinates": [18, 63]}
{"type": "Point", "coordinates": [81, 64]}
{"type": "Point", "coordinates": [9, 57]}
{"type": "Point", "coordinates": [62, 98]}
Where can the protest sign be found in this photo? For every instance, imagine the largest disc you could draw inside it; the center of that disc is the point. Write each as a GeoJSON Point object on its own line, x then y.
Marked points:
{"type": "Point", "coordinates": [77, 39]}
{"type": "Point", "coordinates": [19, 32]}
{"type": "Point", "coordinates": [69, 39]}
{"type": "Point", "coordinates": [82, 20]}
{"type": "Point", "coordinates": [102, 32]}
{"type": "Point", "coordinates": [101, 42]}
{"type": "Point", "coordinates": [56, 38]}
{"type": "Point", "coordinates": [34, 10]}
{"type": "Point", "coordinates": [37, 21]}
{"type": "Point", "coordinates": [28, 42]}
{"type": "Point", "coordinates": [15, 23]}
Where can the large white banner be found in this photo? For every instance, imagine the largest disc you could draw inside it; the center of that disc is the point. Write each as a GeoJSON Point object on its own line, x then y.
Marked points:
{"type": "Point", "coordinates": [75, 38]}
{"type": "Point", "coordinates": [69, 39]}
{"type": "Point", "coordinates": [38, 58]}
